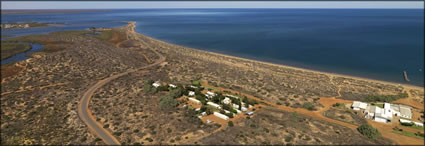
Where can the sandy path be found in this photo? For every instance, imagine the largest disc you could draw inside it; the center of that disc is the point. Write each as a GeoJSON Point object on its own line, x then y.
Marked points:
{"type": "Point", "coordinates": [85, 113]}
{"type": "Point", "coordinates": [386, 131]}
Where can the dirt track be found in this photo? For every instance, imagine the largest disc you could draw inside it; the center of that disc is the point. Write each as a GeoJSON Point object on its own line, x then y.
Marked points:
{"type": "Point", "coordinates": [84, 112]}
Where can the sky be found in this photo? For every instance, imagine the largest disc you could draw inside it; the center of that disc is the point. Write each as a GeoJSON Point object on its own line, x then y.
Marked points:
{"type": "Point", "coordinates": [206, 4]}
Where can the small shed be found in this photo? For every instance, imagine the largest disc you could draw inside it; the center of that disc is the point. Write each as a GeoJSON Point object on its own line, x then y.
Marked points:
{"type": "Point", "coordinates": [194, 100]}
{"type": "Point", "coordinates": [217, 114]}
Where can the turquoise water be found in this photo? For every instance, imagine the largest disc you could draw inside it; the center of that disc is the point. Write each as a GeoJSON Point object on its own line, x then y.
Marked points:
{"type": "Point", "coordinates": [372, 43]}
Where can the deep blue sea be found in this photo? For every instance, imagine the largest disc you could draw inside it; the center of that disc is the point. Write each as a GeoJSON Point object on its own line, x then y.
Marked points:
{"type": "Point", "coordinates": [373, 43]}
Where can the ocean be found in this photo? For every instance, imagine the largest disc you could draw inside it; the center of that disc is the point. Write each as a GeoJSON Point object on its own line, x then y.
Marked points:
{"type": "Point", "coordinates": [372, 43]}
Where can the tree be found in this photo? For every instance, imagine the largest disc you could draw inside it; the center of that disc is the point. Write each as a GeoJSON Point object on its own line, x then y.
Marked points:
{"type": "Point", "coordinates": [203, 108]}
{"type": "Point", "coordinates": [167, 102]}
{"type": "Point", "coordinates": [175, 93]}
{"type": "Point", "coordinates": [154, 90]}
{"type": "Point", "coordinates": [230, 123]}
{"type": "Point", "coordinates": [308, 106]}
{"type": "Point", "coordinates": [368, 131]}
{"type": "Point", "coordinates": [230, 115]}
{"type": "Point", "coordinates": [147, 88]}
{"type": "Point", "coordinates": [226, 107]}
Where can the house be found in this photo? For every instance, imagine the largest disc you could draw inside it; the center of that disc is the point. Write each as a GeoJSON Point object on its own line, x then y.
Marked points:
{"type": "Point", "coordinates": [208, 121]}
{"type": "Point", "coordinates": [217, 114]}
{"type": "Point", "coordinates": [156, 84]}
{"type": "Point", "coordinates": [214, 105]}
{"type": "Point", "coordinates": [235, 106]}
{"type": "Point", "coordinates": [357, 105]}
{"type": "Point", "coordinates": [195, 100]}
{"type": "Point", "coordinates": [194, 87]}
{"type": "Point", "coordinates": [211, 93]}
{"type": "Point", "coordinates": [244, 109]}
{"type": "Point", "coordinates": [191, 93]}
{"type": "Point", "coordinates": [172, 85]}
{"type": "Point", "coordinates": [382, 117]}
{"type": "Point", "coordinates": [226, 101]}
{"type": "Point", "coordinates": [238, 111]}
{"type": "Point", "coordinates": [378, 114]}
{"type": "Point", "coordinates": [405, 112]}
{"type": "Point", "coordinates": [229, 95]}
{"type": "Point", "coordinates": [226, 111]}
{"type": "Point", "coordinates": [204, 113]}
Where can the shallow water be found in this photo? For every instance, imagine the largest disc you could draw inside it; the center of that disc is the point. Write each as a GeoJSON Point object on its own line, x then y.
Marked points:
{"type": "Point", "coordinates": [372, 43]}
{"type": "Point", "coordinates": [23, 56]}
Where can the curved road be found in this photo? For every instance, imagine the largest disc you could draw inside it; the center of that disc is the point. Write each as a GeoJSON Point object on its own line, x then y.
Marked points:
{"type": "Point", "coordinates": [84, 112]}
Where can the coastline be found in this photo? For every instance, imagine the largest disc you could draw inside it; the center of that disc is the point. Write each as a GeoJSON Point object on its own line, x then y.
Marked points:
{"type": "Point", "coordinates": [331, 74]}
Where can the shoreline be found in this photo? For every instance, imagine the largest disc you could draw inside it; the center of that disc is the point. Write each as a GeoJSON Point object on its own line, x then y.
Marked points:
{"type": "Point", "coordinates": [331, 74]}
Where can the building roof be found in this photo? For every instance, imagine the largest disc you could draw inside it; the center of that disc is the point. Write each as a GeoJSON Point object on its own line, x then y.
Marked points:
{"type": "Point", "coordinates": [387, 106]}
{"type": "Point", "coordinates": [374, 109]}
{"type": "Point", "coordinates": [358, 104]}
{"type": "Point", "coordinates": [405, 111]}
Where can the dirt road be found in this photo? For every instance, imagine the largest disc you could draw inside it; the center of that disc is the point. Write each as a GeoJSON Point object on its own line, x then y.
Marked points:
{"type": "Point", "coordinates": [84, 112]}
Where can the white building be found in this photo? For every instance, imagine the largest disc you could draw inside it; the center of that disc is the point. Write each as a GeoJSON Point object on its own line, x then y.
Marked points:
{"type": "Point", "coordinates": [194, 87]}
{"type": "Point", "coordinates": [214, 105]}
{"type": "Point", "coordinates": [195, 100]}
{"type": "Point", "coordinates": [172, 86]}
{"type": "Point", "coordinates": [235, 106]}
{"type": "Point", "coordinates": [156, 84]}
{"type": "Point", "coordinates": [244, 109]}
{"type": "Point", "coordinates": [211, 93]}
{"type": "Point", "coordinates": [238, 111]}
{"type": "Point", "coordinates": [191, 93]}
{"type": "Point", "coordinates": [217, 114]}
{"type": "Point", "coordinates": [357, 105]}
{"type": "Point", "coordinates": [226, 101]}
{"type": "Point", "coordinates": [229, 95]}
{"type": "Point", "coordinates": [378, 114]}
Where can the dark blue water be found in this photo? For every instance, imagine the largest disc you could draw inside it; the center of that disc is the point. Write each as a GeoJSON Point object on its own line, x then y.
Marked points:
{"type": "Point", "coordinates": [373, 43]}
{"type": "Point", "coordinates": [23, 56]}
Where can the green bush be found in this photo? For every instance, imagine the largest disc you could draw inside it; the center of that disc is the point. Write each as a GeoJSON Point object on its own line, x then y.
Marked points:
{"type": "Point", "coordinates": [167, 102]}
{"type": "Point", "coordinates": [308, 106]}
{"type": "Point", "coordinates": [368, 131]}
{"type": "Point", "coordinates": [230, 115]}
{"type": "Point", "coordinates": [406, 124]}
{"type": "Point", "coordinates": [230, 123]}
{"type": "Point", "coordinates": [385, 98]}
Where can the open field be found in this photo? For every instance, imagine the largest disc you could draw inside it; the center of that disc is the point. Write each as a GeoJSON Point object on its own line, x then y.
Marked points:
{"type": "Point", "coordinates": [46, 89]}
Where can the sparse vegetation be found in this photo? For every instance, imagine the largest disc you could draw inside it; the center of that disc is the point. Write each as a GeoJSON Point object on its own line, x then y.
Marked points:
{"type": "Point", "coordinates": [369, 131]}
{"type": "Point", "coordinates": [386, 98]}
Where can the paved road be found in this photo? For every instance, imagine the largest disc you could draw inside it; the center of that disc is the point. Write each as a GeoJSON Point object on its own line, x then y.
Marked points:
{"type": "Point", "coordinates": [84, 112]}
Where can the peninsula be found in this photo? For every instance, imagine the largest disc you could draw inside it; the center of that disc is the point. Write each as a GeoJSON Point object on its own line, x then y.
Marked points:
{"type": "Point", "coordinates": [122, 87]}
